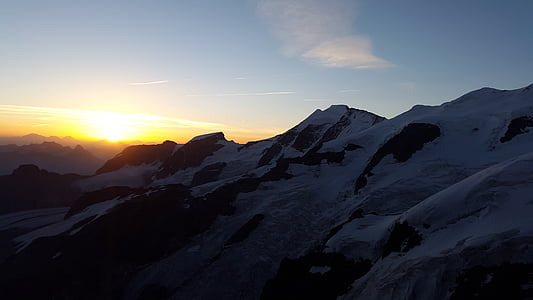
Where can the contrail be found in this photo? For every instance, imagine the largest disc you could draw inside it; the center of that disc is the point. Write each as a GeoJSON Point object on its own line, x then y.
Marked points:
{"type": "Point", "coordinates": [148, 82]}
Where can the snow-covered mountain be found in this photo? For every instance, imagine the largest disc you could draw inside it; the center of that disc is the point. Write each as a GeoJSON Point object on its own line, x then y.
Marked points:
{"type": "Point", "coordinates": [432, 204]}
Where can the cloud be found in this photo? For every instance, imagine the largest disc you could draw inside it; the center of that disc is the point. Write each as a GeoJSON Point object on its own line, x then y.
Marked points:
{"type": "Point", "coordinates": [90, 116]}
{"type": "Point", "coordinates": [348, 52]}
{"type": "Point", "coordinates": [148, 82]}
{"type": "Point", "coordinates": [273, 93]}
{"type": "Point", "coordinates": [241, 94]}
{"type": "Point", "coordinates": [349, 91]}
{"type": "Point", "coordinates": [320, 32]}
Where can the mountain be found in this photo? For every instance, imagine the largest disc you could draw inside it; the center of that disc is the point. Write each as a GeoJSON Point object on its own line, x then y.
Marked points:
{"type": "Point", "coordinates": [50, 156]}
{"type": "Point", "coordinates": [29, 187]}
{"type": "Point", "coordinates": [137, 155]}
{"type": "Point", "coordinates": [102, 149]}
{"type": "Point", "coordinates": [33, 138]}
{"type": "Point", "coordinates": [431, 204]}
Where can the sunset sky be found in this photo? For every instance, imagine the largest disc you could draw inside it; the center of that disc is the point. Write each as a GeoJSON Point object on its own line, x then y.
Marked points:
{"type": "Point", "coordinates": [162, 69]}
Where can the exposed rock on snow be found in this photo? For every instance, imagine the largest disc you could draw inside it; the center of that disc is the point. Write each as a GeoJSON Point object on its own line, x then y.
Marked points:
{"type": "Point", "coordinates": [208, 173]}
{"type": "Point", "coordinates": [516, 127]}
{"type": "Point", "coordinates": [445, 213]}
{"type": "Point", "coordinates": [402, 146]}
{"type": "Point", "coordinates": [191, 154]}
{"type": "Point", "coordinates": [318, 128]}
{"type": "Point", "coordinates": [138, 155]}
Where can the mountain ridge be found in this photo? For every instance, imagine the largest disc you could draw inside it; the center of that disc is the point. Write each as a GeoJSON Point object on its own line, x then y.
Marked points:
{"type": "Point", "coordinates": [445, 201]}
{"type": "Point", "coordinates": [49, 155]}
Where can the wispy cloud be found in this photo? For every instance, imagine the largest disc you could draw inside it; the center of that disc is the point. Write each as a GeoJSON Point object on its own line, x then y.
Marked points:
{"type": "Point", "coordinates": [148, 82]}
{"type": "Point", "coordinates": [320, 32]}
{"type": "Point", "coordinates": [241, 94]}
{"type": "Point", "coordinates": [95, 124]}
{"type": "Point", "coordinates": [90, 116]}
{"type": "Point", "coordinates": [349, 91]}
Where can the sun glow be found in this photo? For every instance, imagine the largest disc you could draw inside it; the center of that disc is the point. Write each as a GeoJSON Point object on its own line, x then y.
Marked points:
{"type": "Point", "coordinates": [112, 126]}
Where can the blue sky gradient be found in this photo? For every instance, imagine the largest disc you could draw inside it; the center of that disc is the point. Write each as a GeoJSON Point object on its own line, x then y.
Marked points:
{"type": "Point", "coordinates": [258, 67]}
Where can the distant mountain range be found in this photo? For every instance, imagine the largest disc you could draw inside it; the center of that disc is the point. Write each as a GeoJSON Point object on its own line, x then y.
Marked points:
{"type": "Point", "coordinates": [432, 204]}
{"type": "Point", "coordinates": [61, 155]}
{"type": "Point", "coordinates": [43, 172]}
{"type": "Point", "coordinates": [50, 156]}
{"type": "Point", "coordinates": [102, 149]}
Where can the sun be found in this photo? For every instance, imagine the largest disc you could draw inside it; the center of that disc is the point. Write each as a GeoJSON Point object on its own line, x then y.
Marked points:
{"type": "Point", "coordinates": [113, 126]}
{"type": "Point", "coordinates": [114, 134]}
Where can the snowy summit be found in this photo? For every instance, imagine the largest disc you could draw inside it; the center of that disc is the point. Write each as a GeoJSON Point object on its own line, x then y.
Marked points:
{"type": "Point", "coordinates": [432, 204]}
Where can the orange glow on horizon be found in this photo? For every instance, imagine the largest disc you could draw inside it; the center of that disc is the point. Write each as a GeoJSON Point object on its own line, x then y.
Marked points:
{"type": "Point", "coordinates": [112, 126]}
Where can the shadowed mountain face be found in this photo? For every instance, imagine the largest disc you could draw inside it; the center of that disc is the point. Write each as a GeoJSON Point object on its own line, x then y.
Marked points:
{"type": "Point", "coordinates": [191, 154]}
{"type": "Point", "coordinates": [138, 155]}
{"type": "Point", "coordinates": [444, 212]}
{"type": "Point", "coordinates": [140, 165]}
{"type": "Point", "coordinates": [50, 156]}
{"type": "Point", "coordinates": [29, 187]}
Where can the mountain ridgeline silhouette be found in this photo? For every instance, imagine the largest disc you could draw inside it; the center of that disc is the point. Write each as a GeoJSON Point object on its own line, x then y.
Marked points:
{"type": "Point", "coordinates": [432, 204]}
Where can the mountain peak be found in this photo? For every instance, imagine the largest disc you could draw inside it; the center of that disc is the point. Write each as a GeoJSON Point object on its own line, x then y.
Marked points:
{"type": "Point", "coordinates": [338, 108]}
{"type": "Point", "coordinates": [329, 115]}
{"type": "Point", "coordinates": [333, 114]}
{"type": "Point", "coordinates": [192, 154]}
{"type": "Point", "coordinates": [33, 135]}
{"type": "Point", "coordinates": [27, 170]}
{"type": "Point", "coordinates": [214, 135]}
{"type": "Point", "coordinates": [169, 142]}
{"type": "Point", "coordinates": [137, 155]}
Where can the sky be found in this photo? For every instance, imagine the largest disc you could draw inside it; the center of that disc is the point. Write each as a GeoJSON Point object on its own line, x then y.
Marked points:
{"type": "Point", "coordinates": [162, 69]}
